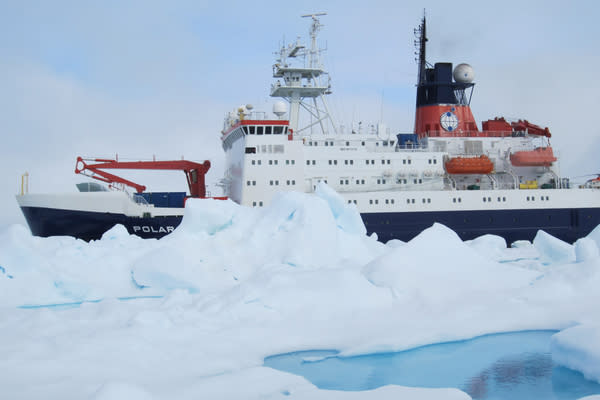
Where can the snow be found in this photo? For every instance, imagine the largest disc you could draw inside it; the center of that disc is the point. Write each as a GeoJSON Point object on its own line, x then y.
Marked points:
{"type": "Point", "coordinates": [579, 348]}
{"type": "Point", "coordinates": [194, 314]}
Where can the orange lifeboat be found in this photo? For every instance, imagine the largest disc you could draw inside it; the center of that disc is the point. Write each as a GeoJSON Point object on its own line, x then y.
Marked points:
{"type": "Point", "coordinates": [469, 165]}
{"type": "Point", "coordinates": [540, 157]}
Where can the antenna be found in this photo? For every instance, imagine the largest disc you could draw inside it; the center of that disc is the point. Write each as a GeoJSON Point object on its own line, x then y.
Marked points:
{"type": "Point", "coordinates": [314, 31]}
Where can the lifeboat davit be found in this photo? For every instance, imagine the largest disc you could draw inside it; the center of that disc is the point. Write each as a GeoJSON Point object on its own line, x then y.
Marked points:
{"type": "Point", "coordinates": [469, 165]}
{"type": "Point", "coordinates": [540, 157]}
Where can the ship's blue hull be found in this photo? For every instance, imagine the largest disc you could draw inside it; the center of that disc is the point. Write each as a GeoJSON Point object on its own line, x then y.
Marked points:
{"type": "Point", "coordinates": [565, 224]}
{"type": "Point", "coordinates": [85, 225]}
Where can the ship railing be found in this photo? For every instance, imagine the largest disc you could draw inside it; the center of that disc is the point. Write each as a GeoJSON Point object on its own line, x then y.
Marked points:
{"type": "Point", "coordinates": [434, 134]}
{"type": "Point", "coordinates": [412, 147]}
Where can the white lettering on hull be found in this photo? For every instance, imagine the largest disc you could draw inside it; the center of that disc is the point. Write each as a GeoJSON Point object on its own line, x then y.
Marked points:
{"type": "Point", "coordinates": [153, 229]}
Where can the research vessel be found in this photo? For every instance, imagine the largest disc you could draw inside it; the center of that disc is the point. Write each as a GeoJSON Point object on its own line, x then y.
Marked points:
{"type": "Point", "coordinates": [502, 179]}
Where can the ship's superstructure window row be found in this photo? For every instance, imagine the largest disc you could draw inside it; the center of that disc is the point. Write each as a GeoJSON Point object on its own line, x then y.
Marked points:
{"type": "Point", "coordinates": [266, 130]}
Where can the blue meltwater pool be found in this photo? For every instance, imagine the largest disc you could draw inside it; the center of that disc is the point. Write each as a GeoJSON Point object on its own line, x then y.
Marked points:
{"type": "Point", "coordinates": [507, 366]}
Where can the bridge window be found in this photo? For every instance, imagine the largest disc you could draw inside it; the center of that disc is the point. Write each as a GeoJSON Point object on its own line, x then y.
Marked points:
{"type": "Point", "coordinates": [277, 130]}
{"type": "Point", "coordinates": [267, 130]}
{"type": "Point", "coordinates": [259, 130]}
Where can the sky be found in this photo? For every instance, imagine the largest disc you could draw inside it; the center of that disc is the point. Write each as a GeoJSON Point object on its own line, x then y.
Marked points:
{"type": "Point", "coordinates": [148, 78]}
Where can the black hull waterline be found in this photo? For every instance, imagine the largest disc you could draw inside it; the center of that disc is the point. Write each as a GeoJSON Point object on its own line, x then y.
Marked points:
{"type": "Point", "coordinates": [565, 224]}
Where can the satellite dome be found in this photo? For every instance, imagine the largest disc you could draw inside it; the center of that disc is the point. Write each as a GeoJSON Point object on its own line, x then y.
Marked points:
{"type": "Point", "coordinates": [279, 108]}
{"type": "Point", "coordinates": [464, 73]}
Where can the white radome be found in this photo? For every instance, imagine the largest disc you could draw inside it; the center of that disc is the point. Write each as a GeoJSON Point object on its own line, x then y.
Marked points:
{"type": "Point", "coordinates": [279, 108]}
{"type": "Point", "coordinates": [464, 73]}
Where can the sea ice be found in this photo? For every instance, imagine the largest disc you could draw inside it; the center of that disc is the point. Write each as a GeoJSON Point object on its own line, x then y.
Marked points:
{"type": "Point", "coordinates": [553, 250]}
{"type": "Point", "coordinates": [578, 348]}
{"type": "Point", "coordinates": [195, 313]}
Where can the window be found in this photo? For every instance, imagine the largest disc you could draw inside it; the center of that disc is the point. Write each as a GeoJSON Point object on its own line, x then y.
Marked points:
{"type": "Point", "coordinates": [294, 182]}
{"type": "Point", "coordinates": [260, 203]}
{"type": "Point", "coordinates": [362, 143]}
{"type": "Point", "coordinates": [258, 162]}
{"type": "Point", "coordinates": [362, 181]}
{"type": "Point", "coordinates": [389, 162]}
{"type": "Point", "coordinates": [248, 183]}
{"type": "Point", "coordinates": [403, 161]}
{"type": "Point", "coordinates": [313, 162]}
{"type": "Point", "coordinates": [376, 201]}
{"type": "Point", "coordinates": [250, 150]}
{"type": "Point", "coordinates": [259, 130]}
{"type": "Point", "coordinates": [370, 201]}
{"type": "Point", "coordinates": [253, 183]}
{"type": "Point", "coordinates": [334, 162]}
{"type": "Point", "coordinates": [382, 162]}
{"type": "Point", "coordinates": [287, 162]}
{"type": "Point", "coordinates": [253, 204]}
{"type": "Point", "coordinates": [346, 181]}
{"type": "Point", "coordinates": [253, 162]}
{"type": "Point", "coordinates": [270, 162]}
{"type": "Point", "coordinates": [326, 143]}
{"type": "Point", "coordinates": [307, 162]}
{"type": "Point", "coordinates": [351, 162]}
{"type": "Point", "coordinates": [346, 162]}
{"type": "Point", "coordinates": [347, 143]}
{"type": "Point", "coordinates": [275, 162]}
{"type": "Point", "coordinates": [267, 130]}
{"type": "Point", "coordinates": [271, 183]}
{"type": "Point", "coordinates": [330, 162]}
{"type": "Point", "coordinates": [387, 201]}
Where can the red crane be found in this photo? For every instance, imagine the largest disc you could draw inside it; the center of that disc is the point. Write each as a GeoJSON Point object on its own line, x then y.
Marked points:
{"type": "Point", "coordinates": [194, 172]}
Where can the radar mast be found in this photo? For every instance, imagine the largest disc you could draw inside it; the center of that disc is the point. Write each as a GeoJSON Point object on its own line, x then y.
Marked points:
{"type": "Point", "coordinates": [304, 86]}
